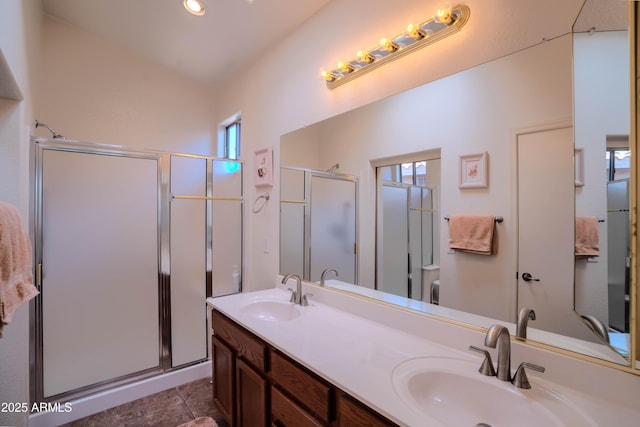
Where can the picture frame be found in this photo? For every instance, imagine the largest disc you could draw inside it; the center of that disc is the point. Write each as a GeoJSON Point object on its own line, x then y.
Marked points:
{"type": "Point", "coordinates": [473, 170]}
{"type": "Point", "coordinates": [579, 167]}
{"type": "Point", "coordinates": [263, 167]}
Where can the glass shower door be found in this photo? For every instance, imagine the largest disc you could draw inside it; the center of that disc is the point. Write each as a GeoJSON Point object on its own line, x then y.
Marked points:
{"type": "Point", "coordinates": [188, 245]}
{"type": "Point", "coordinates": [99, 268]}
{"type": "Point", "coordinates": [332, 238]}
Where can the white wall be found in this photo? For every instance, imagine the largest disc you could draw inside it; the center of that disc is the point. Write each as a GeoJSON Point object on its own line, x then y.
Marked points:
{"type": "Point", "coordinates": [20, 23]}
{"type": "Point", "coordinates": [303, 149]}
{"type": "Point", "coordinates": [95, 91]}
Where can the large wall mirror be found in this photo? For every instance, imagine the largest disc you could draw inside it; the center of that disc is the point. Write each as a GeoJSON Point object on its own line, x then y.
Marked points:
{"type": "Point", "coordinates": [552, 123]}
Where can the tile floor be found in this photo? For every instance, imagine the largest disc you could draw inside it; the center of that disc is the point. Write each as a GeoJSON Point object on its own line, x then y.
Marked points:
{"type": "Point", "coordinates": [167, 408]}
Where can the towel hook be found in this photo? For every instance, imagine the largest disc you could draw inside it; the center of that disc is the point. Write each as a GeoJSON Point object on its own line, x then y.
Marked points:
{"type": "Point", "coordinates": [265, 197]}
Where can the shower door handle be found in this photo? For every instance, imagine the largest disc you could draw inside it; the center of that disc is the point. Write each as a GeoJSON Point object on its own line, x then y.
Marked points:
{"type": "Point", "coordinates": [527, 277]}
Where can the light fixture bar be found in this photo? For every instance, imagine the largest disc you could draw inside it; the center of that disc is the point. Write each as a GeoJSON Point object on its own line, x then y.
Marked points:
{"type": "Point", "coordinates": [406, 43]}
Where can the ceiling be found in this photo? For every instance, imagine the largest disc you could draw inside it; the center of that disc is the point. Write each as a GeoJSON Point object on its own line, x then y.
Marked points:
{"type": "Point", "coordinates": [207, 49]}
{"type": "Point", "coordinates": [233, 33]}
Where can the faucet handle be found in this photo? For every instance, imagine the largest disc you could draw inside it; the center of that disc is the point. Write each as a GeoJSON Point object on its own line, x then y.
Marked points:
{"type": "Point", "coordinates": [520, 379]}
{"type": "Point", "coordinates": [305, 301]}
{"type": "Point", "coordinates": [293, 295]}
{"type": "Point", "coordinates": [487, 365]}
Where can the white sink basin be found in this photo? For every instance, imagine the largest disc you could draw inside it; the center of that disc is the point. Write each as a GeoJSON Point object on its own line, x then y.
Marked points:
{"type": "Point", "coordinates": [453, 392]}
{"type": "Point", "coordinates": [272, 310]}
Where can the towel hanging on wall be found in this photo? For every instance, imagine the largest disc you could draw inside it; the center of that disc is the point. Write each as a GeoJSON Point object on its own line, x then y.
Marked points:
{"type": "Point", "coordinates": [473, 234]}
{"type": "Point", "coordinates": [16, 274]}
{"type": "Point", "coordinates": [587, 237]}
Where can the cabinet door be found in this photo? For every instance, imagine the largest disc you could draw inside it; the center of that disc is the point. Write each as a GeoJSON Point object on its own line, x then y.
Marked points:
{"type": "Point", "coordinates": [251, 392]}
{"type": "Point", "coordinates": [223, 379]}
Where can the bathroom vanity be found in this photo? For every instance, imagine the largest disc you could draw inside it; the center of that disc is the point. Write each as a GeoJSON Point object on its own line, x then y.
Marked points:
{"type": "Point", "coordinates": [343, 360]}
{"type": "Point", "coordinates": [255, 384]}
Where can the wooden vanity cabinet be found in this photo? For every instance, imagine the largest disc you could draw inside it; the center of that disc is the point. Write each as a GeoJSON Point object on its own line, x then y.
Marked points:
{"type": "Point", "coordinates": [256, 385]}
{"type": "Point", "coordinates": [239, 365]}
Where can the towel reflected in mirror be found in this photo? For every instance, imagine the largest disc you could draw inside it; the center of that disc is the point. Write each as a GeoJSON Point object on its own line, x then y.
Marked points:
{"type": "Point", "coordinates": [473, 234]}
{"type": "Point", "coordinates": [587, 237]}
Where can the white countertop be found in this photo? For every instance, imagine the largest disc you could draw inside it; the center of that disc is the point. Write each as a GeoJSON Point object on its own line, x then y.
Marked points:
{"type": "Point", "coordinates": [359, 354]}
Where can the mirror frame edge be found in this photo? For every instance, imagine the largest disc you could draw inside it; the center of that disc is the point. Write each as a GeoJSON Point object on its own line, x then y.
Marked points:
{"type": "Point", "coordinates": [634, 12]}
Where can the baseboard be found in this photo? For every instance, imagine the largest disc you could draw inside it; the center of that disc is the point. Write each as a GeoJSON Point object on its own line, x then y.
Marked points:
{"type": "Point", "coordinates": [104, 400]}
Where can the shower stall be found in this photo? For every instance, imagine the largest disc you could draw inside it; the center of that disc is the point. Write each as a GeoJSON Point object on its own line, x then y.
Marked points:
{"type": "Point", "coordinates": [128, 244]}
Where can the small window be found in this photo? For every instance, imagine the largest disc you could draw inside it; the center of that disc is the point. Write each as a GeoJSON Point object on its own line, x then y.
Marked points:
{"type": "Point", "coordinates": [229, 138]}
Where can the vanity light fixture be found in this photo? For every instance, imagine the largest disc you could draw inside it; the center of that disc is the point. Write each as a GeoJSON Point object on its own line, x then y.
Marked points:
{"type": "Point", "coordinates": [447, 21]}
{"type": "Point", "coordinates": [195, 7]}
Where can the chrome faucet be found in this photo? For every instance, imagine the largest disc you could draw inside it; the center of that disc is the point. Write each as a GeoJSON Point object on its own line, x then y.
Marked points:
{"type": "Point", "coordinates": [524, 315]}
{"type": "Point", "coordinates": [324, 274]}
{"type": "Point", "coordinates": [498, 335]}
{"type": "Point", "coordinates": [296, 296]}
{"type": "Point", "coordinates": [520, 379]}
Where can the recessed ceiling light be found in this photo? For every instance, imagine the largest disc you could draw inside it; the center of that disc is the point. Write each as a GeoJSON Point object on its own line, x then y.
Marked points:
{"type": "Point", "coordinates": [195, 7]}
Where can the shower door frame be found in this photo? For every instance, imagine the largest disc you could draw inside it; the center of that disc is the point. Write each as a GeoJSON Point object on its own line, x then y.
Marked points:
{"type": "Point", "coordinates": [164, 197]}
{"type": "Point", "coordinates": [308, 174]}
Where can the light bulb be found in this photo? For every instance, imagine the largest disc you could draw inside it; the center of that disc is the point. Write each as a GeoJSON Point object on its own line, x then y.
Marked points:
{"type": "Point", "coordinates": [195, 7]}
{"type": "Point", "coordinates": [328, 76]}
{"type": "Point", "coordinates": [416, 32]}
{"type": "Point", "coordinates": [345, 67]}
{"type": "Point", "coordinates": [388, 44]}
{"type": "Point", "coordinates": [445, 15]}
{"type": "Point", "coordinates": [365, 56]}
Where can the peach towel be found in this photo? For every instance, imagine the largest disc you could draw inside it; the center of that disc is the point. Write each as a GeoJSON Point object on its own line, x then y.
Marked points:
{"type": "Point", "coordinates": [587, 237]}
{"type": "Point", "coordinates": [472, 233]}
{"type": "Point", "coordinates": [16, 275]}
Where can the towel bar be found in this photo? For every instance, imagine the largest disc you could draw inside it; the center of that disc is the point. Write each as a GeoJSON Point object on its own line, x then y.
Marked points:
{"type": "Point", "coordinates": [497, 219]}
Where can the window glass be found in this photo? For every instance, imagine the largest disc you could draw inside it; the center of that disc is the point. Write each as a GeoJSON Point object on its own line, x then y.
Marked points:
{"type": "Point", "coordinates": [232, 141]}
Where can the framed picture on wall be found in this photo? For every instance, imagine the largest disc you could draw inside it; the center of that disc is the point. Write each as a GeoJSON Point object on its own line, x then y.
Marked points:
{"type": "Point", "coordinates": [473, 170]}
{"type": "Point", "coordinates": [263, 167]}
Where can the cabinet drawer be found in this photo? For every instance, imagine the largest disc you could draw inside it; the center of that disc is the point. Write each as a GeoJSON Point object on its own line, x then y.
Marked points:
{"type": "Point", "coordinates": [314, 393]}
{"type": "Point", "coordinates": [288, 413]}
{"type": "Point", "coordinates": [353, 414]}
{"type": "Point", "coordinates": [245, 345]}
